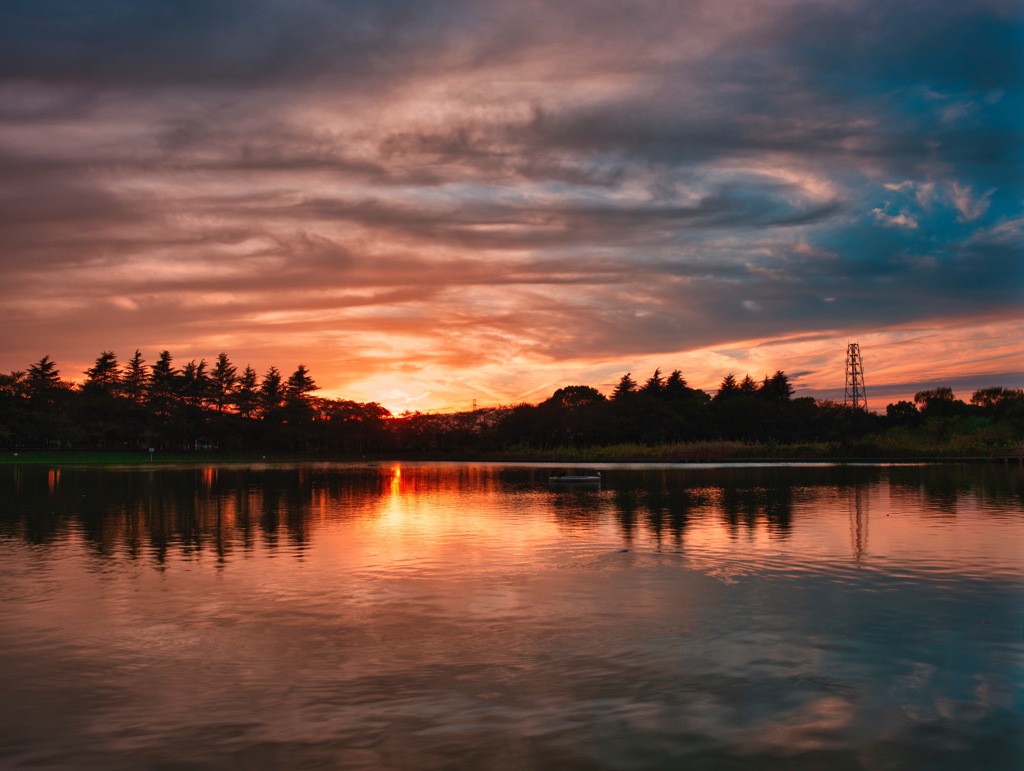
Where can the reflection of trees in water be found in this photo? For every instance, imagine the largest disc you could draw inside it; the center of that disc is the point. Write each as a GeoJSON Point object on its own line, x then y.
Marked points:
{"type": "Point", "coordinates": [748, 505]}
{"type": "Point", "coordinates": [664, 502]}
{"type": "Point", "coordinates": [222, 511]}
{"type": "Point", "coordinates": [670, 507]}
{"type": "Point", "coordinates": [940, 489]}
{"type": "Point", "coordinates": [154, 513]}
{"type": "Point", "coordinates": [626, 509]}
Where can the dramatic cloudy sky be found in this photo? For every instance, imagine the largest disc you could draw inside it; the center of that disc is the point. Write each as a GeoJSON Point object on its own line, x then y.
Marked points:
{"type": "Point", "coordinates": [429, 202]}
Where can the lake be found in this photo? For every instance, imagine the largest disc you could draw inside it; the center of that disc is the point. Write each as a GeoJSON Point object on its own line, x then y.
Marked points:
{"type": "Point", "coordinates": [427, 616]}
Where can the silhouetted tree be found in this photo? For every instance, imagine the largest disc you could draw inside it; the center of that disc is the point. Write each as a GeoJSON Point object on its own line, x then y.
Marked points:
{"type": "Point", "coordinates": [99, 413]}
{"type": "Point", "coordinates": [737, 412]}
{"type": "Point", "coordinates": [297, 413]}
{"type": "Point", "coordinates": [271, 392]}
{"type": "Point", "coordinates": [247, 396]}
{"type": "Point", "coordinates": [573, 416]}
{"type": "Point", "coordinates": [43, 378]}
{"type": "Point", "coordinates": [299, 384]}
{"type": "Point", "coordinates": [359, 427]}
{"type": "Point", "coordinates": [776, 388]}
{"type": "Point", "coordinates": [195, 383]}
{"type": "Point", "coordinates": [688, 417]}
{"type": "Point", "coordinates": [163, 385]}
{"type": "Point", "coordinates": [996, 397]}
{"type": "Point", "coordinates": [626, 387]}
{"type": "Point", "coordinates": [902, 413]}
{"type": "Point", "coordinates": [574, 397]}
{"type": "Point", "coordinates": [135, 378]}
{"type": "Point", "coordinates": [675, 385]}
{"type": "Point", "coordinates": [938, 402]}
{"type": "Point", "coordinates": [1003, 405]}
{"type": "Point", "coordinates": [654, 385]}
{"type": "Point", "coordinates": [104, 375]}
{"type": "Point", "coordinates": [13, 408]}
{"type": "Point", "coordinates": [728, 388]}
{"type": "Point", "coordinates": [223, 379]}
{"type": "Point", "coordinates": [14, 384]}
{"type": "Point", "coordinates": [47, 419]}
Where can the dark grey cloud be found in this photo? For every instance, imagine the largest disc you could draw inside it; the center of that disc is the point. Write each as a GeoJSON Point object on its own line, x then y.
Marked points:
{"type": "Point", "coordinates": [853, 47]}
{"type": "Point", "coordinates": [226, 44]}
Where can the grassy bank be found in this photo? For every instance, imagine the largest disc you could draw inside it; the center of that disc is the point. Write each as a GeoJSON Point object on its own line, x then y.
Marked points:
{"type": "Point", "coordinates": [59, 457]}
{"type": "Point", "coordinates": [738, 452]}
{"type": "Point", "coordinates": [891, 446]}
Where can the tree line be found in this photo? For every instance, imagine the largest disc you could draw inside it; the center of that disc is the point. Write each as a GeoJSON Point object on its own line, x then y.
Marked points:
{"type": "Point", "coordinates": [135, 405]}
{"type": "Point", "coordinates": [197, 406]}
{"type": "Point", "coordinates": [665, 410]}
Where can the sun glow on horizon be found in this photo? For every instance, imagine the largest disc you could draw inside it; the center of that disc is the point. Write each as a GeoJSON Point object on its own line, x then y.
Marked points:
{"type": "Point", "coordinates": [897, 364]}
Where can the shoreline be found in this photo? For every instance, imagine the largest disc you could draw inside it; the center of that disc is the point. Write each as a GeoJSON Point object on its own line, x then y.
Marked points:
{"type": "Point", "coordinates": [561, 456]}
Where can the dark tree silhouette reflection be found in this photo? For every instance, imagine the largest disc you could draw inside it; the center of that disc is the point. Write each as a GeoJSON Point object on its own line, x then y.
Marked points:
{"type": "Point", "coordinates": [229, 512]}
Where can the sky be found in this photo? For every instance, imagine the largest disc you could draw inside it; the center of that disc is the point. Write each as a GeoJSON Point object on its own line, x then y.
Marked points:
{"type": "Point", "coordinates": [431, 204]}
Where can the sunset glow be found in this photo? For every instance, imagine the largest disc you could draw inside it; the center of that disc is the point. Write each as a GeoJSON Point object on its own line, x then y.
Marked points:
{"type": "Point", "coordinates": [436, 204]}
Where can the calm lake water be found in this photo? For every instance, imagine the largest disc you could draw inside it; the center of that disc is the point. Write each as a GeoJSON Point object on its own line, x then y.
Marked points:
{"type": "Point", "coordinates": [421, 616]}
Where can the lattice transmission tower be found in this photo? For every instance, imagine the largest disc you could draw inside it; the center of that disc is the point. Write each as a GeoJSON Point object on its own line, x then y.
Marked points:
{"type": "Point", "coordinates": [856, 394]}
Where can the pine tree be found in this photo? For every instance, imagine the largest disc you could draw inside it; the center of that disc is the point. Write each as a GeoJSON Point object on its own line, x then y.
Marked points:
{"type": "Point", "coordinates": [271, 391]}
{"type": "Point", "coordinates": [776, 388]}
{"type": "Point", "coordinates": [223, 379]}
{"type": "Point", "coordinates": [299, 384]}
{"type": "Point", "coordinates": [727, 388]}
{"type": "Point", "coordinates": [14, 384]}
{"type": "Point", "coordinates": [626, 386]}
{"type": "Point", "coordinates": [247, 396]}
{"type": "Point", "coordinates": [104, 375]}
{"type": "Point", "coordinates": [135, 378]}
{"type": "Point", "coordinates": [163, 384]}
{"type": "Point", "coordinates": [43, 378]}
{"type": "Point", "coordinates": [655, 384]}
{"type": "Point", "coordinates": [675, 385]}
{"type": "Point", "coordinates": [195, 383]}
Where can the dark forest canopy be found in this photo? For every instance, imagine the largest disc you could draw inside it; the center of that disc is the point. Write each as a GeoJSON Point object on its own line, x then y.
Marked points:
{"type": "Point", "coordinates": [198, 405]}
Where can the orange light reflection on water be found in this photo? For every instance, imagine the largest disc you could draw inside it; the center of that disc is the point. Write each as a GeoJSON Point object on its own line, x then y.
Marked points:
{"type": "Point", "coordinates": [467, 518]}
{"type": "Point", "coordinates": [396, 481]}
{"type": "Point", "coordinates": [458, 521]}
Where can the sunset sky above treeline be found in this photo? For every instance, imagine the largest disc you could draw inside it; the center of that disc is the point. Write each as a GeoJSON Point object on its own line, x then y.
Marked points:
{"type": "Point", "coordinates": [430, 203]}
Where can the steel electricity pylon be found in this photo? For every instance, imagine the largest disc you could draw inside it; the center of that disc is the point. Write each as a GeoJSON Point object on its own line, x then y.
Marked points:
{"type": "Point", "coordinates": [856, 394]}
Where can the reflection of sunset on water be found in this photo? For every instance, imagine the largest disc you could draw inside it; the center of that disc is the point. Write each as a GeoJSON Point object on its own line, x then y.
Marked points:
{"type": "Point", "coordinates": [442, 515]}
{"type": "Point", "coordinates": [773, 612]}
{"type": "Point", "coordinates": [730, 525]}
